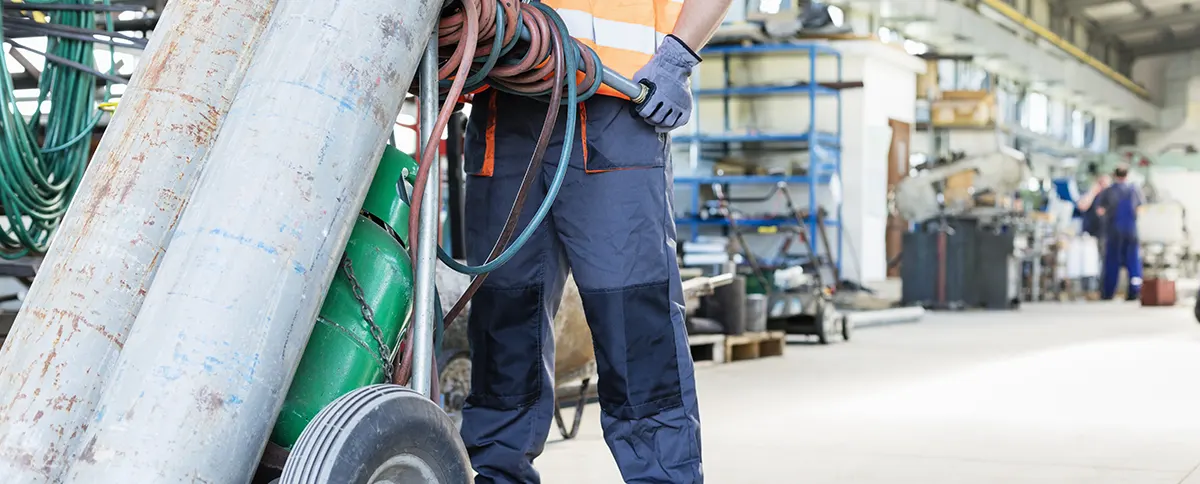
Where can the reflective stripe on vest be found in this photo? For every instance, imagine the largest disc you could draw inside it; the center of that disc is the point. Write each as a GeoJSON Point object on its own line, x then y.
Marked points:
{"type": "Point", "coordinates": [624, 35]}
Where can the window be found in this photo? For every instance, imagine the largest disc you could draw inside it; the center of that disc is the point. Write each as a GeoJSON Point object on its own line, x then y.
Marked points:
{"type": "Point", "coordinates": [946, 75]}
{"type": "Point", "coordinates": [1092, 139]}
{"type": "Point", "coordinates": [1077, 129]}
{"type": "Point", "coordinates": [956, 75]}
{"type": "Point", "coordinates": [1058, 119]}
{"type": "Point", "coordinates": [1008, 102]}
{"type": "Point", "coordinates": [1068, 124]}
{"type": "Point", "coordinates": [1039, 115]}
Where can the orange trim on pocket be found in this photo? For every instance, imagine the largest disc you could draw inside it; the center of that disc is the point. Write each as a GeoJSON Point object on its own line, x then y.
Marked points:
{"type": "Point", "coordinates": [583, 132]}
{"type": "Point", "coordinates": [489, 152]}
{"type": "Point", "coordinates": [593, 172]}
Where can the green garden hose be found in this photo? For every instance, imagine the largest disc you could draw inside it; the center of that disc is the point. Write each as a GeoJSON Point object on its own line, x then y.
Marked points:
{"type": "Point", "coordinates": [37, 180]}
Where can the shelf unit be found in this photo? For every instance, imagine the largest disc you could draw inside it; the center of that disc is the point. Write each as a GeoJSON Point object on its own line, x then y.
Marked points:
{"type": "Point", "coordinates": [825, 159]}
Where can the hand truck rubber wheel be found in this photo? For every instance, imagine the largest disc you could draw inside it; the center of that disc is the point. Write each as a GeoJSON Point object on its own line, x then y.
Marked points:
{"type": "Point", "coordinates": [375, 435]}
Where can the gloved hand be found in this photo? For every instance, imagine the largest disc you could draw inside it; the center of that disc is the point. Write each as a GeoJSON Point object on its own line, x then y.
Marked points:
{"type": "Point", "coordinates": [669, 104]}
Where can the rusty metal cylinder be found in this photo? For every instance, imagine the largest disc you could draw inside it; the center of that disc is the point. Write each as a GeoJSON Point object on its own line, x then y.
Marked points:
{"type": "Point", "coordinates": [103, 258]}
{"type": "Point", "coordinates": [219, 337]}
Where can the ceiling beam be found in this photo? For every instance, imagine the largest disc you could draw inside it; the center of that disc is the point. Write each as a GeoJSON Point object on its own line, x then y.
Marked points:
{"type": "Point", "coordinates": [1141, 7]}
{"type": "Point", "coordinates": [1159, 47]}
{"type": "Point", "coordinates": [1151, 23]}
{"type": "Point", "coordinates": [1075, 8]}
{"type": "Point", "coordinates": [1079, 5]}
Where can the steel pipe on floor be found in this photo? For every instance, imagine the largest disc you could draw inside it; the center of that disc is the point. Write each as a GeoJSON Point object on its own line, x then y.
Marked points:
{"type": "Point", "coordinates": [218, 339]}
{"type": "Point", "coordinates": [880, 317]}
{"type": "Point", "coordinates": [78, 313]}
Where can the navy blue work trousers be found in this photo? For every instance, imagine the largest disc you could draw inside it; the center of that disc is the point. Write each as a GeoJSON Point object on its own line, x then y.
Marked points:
{"type": "Point", "coordinates": [612, 226]}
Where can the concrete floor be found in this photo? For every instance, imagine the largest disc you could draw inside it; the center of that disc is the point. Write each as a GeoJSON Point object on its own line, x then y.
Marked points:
{"type": "Point", "coordinates": [1058, 393]}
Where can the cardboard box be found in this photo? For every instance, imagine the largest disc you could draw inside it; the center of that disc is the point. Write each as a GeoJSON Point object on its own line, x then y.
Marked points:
{"type": "Point", "coordinates": [966, 95]}
{"type": "Point", "coordinates": [964, 109]}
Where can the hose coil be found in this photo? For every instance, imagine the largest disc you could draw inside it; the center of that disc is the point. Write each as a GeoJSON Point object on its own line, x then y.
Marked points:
{"type": "Point", "coordinates": [38, 179]}
{"type": "Point", "coordinates": [517, 48]}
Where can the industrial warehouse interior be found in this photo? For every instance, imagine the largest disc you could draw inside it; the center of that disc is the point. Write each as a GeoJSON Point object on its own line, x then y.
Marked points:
{"type": "Point", "coordinates": [657, 241]}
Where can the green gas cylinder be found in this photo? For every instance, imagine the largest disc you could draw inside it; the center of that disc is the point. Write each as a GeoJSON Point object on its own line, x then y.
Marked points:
{"type": "Point", "coordinates": [374, 277]}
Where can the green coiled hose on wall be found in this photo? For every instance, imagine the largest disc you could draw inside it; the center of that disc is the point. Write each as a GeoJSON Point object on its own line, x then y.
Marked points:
{"type": "Point", "coordinates": [38, 179]}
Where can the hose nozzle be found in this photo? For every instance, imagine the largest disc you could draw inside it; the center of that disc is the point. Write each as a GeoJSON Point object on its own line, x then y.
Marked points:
{"type": "Point", "coordinates": [638, 92]}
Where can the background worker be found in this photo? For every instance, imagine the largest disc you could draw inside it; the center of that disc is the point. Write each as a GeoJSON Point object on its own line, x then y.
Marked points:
{"type": "Point", "coordinates": [1093, 223]}
{"type": "Point", "coordinates": [1118, 205]}
{"type": "Point", "coordinates": [613, 226]}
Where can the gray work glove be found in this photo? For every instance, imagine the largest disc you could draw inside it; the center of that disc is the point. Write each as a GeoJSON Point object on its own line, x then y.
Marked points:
{"type": "Point", "coordinates": [669, 103]}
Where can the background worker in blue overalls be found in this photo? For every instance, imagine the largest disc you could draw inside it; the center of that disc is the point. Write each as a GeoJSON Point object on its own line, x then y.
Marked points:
{"type": "Point", "coordinates": [1119, 205]}
{"type": "Point", "coordinates": [612, 225]}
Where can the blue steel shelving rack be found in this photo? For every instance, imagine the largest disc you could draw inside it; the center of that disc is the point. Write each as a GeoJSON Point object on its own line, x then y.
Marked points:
{"type": "Point", "coordinates": [825, 154]}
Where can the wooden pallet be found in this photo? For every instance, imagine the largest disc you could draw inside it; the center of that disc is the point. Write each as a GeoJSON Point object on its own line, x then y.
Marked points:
{"type": "Point", "coordinates": [707, 347]}
{"type": "Point", "coordinates": [719, 348]}
{"type": "Point", "coordinates": [751, 346]}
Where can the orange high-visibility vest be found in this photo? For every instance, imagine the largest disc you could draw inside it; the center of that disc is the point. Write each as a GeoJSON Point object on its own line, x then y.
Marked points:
{"type": "Point", "coordinates": [624, 34]}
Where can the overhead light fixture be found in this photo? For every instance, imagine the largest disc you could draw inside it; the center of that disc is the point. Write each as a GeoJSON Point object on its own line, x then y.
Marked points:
{"type": "Point", "coordinates": [885, 34]}
{"type": "Point", "coordinates": [915, 48]}
{"type": "Point", "coordinates": [770, 7]}
{"type": "Point", "coordinates": [836, 15]}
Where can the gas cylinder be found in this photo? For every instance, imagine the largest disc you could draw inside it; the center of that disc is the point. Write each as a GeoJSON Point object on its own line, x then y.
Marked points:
{"type": "Point", "coordinates": [365, 308]}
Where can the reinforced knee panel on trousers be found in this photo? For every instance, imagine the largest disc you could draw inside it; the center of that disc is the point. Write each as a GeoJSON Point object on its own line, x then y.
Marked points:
{"type": "Point", "coordinates": [343, 354]}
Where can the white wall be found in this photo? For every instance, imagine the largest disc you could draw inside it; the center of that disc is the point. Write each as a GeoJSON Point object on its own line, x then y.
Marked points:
{"type": "Point", "coordinates": [1174, 79]}
{"type": "Point", "coordinates": [1151, 72]}
{"type": "Point", "coordinates": [889, 76]}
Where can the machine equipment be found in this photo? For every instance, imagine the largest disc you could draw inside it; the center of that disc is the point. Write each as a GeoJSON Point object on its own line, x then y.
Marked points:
{"type": "Point", "coordinates": [1166, 250]}
{"type": "Point", "coordinates": [799, 298]}
{"type": "Point", "coordinates": [965, 249]}
{"type": "Point", "coordinates": [777, 21]}
{"type": "Point", "coordinates": [927, 195]}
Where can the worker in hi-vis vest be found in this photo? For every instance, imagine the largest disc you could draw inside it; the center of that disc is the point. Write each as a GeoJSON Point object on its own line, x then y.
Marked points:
{"type": "Point", "coordinates": [613, 227]}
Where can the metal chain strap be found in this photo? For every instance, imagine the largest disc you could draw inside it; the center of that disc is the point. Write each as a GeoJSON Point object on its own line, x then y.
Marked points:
{"type": "Point", "coordinates": [369, 315]}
